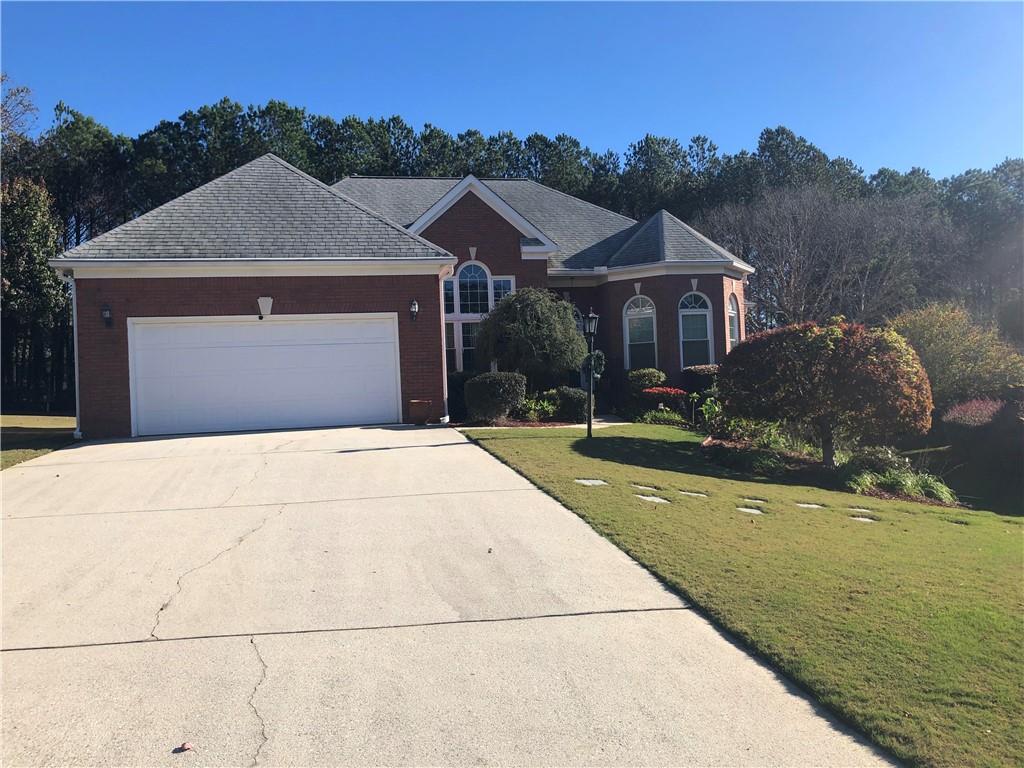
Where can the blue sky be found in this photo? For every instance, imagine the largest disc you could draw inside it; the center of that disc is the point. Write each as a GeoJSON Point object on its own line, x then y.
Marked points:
{"type": "Point", "coordinates": [935, 85]}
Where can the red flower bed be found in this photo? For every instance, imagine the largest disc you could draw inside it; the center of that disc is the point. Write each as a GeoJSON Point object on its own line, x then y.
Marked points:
{"type": "Point", "coordinates": [671, 397]}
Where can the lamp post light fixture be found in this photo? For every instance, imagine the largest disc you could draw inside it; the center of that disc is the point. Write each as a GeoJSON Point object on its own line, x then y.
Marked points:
{"type": "Point", "coordinates": [590, 331]}
{"type": "Point", "coordinates": [414, 309]}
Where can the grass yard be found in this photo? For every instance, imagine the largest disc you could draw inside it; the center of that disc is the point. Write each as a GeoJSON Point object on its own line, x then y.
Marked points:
{"type": "Point", "coordinates": [909, 627]}
{"type": "Point", "coordinates": [26, 437]}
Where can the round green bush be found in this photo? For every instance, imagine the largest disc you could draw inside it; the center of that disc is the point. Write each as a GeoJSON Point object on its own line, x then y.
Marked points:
{"type": "Point", "coordinates": [491, 396]}
{"type": "Point", "coordinates": [644, 378]}
{"type": "Point", "coordinates": [572, 405]}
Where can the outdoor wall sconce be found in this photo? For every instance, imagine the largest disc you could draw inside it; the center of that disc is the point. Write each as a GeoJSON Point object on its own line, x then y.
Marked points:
{"type": "Point", "coordinates": [414, 309]}
{"type": "Point", "coordinates": [107, 315]}
{"type": "Point", "coordinates": [265, 303]}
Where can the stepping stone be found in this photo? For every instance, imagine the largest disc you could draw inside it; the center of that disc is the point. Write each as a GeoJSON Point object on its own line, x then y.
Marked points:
{"type": "Point", "coordinates": [591, 482]}
{"type": "Point", "coordinates": [694, 493]}
{"type": "Point", "coordinates": [654, 499]}
{"type": "Point", "coordinates": [643, 487]}
{"type": "Point", "coordinates": [858, 509]}
{"type": "Point", "coordinates": [860, 519]}
{"type": "Point", "coordinates": [810, 506]}
{"type": "Point", "coordinates": [750, 510]}
{"type": "Point", "coordinates": [755, 501]}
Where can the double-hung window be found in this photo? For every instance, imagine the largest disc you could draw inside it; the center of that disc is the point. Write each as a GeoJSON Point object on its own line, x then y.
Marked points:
{"type": "Point", "coordinates": [468, 297]}
{"type": "Point", "coordinates": [734, 322]}
{"type": "Point", "coordinates": [639, 334]}
{"type": "Point", "coordinates": [695, 330]}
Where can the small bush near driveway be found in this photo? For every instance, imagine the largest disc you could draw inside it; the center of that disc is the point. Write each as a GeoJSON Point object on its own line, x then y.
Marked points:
{"type": "Point", "coordinates": [492, 396]}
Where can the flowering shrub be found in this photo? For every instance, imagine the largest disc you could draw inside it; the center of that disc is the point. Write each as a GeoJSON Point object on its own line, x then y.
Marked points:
{"type": "Point", "coordinates": [671, 397]}
{"type": "Point", "coordinates": [973, 413]}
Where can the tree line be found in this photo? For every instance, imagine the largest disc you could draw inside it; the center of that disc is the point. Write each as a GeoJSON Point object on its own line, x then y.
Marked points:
{"type": "Point", "coordinates": [826, 237]}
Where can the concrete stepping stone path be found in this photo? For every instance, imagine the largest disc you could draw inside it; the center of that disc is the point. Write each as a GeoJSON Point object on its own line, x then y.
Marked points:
{"type": "Point", "coordinates": [652, 499]}
{"type": "Point", "coordinates": [584, 481]}
{"type": "Point", "coordinates": [644, 487]}
{"type": "Point", "coordinates": [861, 519]}
{"type": "Point", "coordinates": [810, 506]}
{"type": "Point", "coordinates": [858, 509]}
{"type": "Point", "coordinates": [755, 501]}
{"type": "Point", "coordinates": [750, 510]}
{"type": "Point", "coordinates": [694, 493]}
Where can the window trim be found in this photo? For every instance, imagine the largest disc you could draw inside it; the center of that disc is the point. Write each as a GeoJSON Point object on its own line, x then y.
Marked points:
{"type": "Point", "coordinates": [652, 313]}
{"type": "Point", "coordinates": [458, 317]}
{"type": "Point", "coordinates": [733, 310]}
{"type": "Point", "coordinates": [708, 321]}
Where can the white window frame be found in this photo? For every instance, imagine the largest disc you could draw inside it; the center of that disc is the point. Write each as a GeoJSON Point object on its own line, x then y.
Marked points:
{"type": "Point", "coordinates": [653, 314]}
{"type": "Point", "coordinates": [707, 319]}
{"type": "Point", "coordinates": [733, 310]}
{"type": "Point", "coordinates": [457, 318]}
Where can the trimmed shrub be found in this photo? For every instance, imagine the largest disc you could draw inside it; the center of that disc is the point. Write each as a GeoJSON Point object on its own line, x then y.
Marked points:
{"type": "Point", "coordinates": [539, 408]}
{"type": "Point", "coordinates": [492, 396]}
{"type": "Point", "coordinates": [457, 395]}
{"type": "Point", "coordinates": [661, 416]}
{"type": "Point", "coordinates": [699, 378]}
{"type": "Point", "coordinates": [644, 378]}
{"type": "Point", "coordinates": [973, 413]}
{"type": "Point", "coordinates": [572, 405]}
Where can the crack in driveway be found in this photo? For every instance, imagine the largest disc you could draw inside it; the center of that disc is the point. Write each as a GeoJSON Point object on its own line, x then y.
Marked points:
{"type": "Point", "coordinates": [252, 706]}
{"type": "Point", "coordinates": [250, 481]}
{"type": "Point", "coordinates": [178, 586]}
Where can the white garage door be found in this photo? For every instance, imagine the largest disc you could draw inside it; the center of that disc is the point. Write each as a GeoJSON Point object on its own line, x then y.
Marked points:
{"type": "Point", "coordinates": [222, 374]}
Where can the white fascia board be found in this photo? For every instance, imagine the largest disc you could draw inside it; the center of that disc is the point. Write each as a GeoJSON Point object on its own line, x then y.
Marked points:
{"type": "Point", "coordinates": [492, 199]}
{"type": "Point", "coordinates": [561, 278]}
{"type": "Point", "coordinates": [200, 267]}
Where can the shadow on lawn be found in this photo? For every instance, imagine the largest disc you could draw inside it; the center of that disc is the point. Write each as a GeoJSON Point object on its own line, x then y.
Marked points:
{"type": "Point", "coordinates": [686, 456]}
{"type": "Point", "coordinates": [34, 438]}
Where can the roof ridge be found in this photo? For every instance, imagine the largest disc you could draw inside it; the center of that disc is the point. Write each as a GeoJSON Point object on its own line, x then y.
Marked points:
{"type": "Point", "coordinates": [634, 236]}
{"type": "Point", "coordinates": [580, 199]}
{"type": "Point", "coordinates": [345, 198]}
{"type": "Point", "coordinates": [707, 240]}
{"type": "Point", "coordinates": [132, 223]}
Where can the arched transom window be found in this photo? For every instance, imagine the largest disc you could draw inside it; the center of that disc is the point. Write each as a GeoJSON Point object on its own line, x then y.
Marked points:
{"type": "Point", "coordinates": [468, 296]}
{"type": "Point", "coordinates": [734, 321]}
{"type": "Point", "coordinates": [639, 334]}
{"type": "Point", "coordinates": [695, 346]}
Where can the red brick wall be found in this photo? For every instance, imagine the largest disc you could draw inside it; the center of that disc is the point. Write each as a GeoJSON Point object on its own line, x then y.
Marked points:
{"type": "Point", "coordinates": [103, 352]}
{"type": "Point", "coordinates": [473, 223]}
{"type": "Point", "coordinates": [665, 291]}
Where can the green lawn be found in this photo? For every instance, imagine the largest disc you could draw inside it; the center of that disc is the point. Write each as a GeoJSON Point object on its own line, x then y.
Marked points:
{"type": "Point", "coordinates": [909, 627]}
{"type": "Point", "coordinates": [25, 437]}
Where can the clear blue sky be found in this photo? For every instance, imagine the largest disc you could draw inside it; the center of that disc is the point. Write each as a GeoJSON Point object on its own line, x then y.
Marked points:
{"type": "Point", "coordinates": [935, 85]}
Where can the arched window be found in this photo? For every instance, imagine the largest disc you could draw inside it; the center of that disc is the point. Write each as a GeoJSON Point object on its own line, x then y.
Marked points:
{"type": "Point", "coordinates": [695, 330]}
{"type": "Point", "coordinates": [639, 334]}
{"type": "Point", "coordinates": [734, 322]}
{"type": "Point", "coordinates": [474, 295]}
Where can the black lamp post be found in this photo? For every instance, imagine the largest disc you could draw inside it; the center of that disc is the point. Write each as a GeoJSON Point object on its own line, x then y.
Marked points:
{"type": "Point", "coordinates": [590, 331]}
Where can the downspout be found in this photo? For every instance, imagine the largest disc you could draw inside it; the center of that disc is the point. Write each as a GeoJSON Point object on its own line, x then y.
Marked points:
{"type": "Point", "coordinates": [70, 281]}
{"type": "Point", "coordinates": [447, 271]}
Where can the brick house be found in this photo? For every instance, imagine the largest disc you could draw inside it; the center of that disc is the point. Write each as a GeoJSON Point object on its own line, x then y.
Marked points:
{"type": "Point", "coordinates": [266, 299]}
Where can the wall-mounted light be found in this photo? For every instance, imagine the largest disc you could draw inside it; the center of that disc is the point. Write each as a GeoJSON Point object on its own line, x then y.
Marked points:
{"type": "Point", "coordinates": [265, 303]}
{"type": "Point", "coordinates": [107, 315]}
{"type": "Point", "coordinates": [414, 309]}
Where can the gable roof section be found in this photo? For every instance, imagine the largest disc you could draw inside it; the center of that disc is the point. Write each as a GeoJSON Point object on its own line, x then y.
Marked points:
{"type": "Point", "coordinates": [579, 229]}
{"type": "Point", "coordinates": [664, 238]}
{"type": "Point", "coordinates": [538, 241]}
{"type": "Point", "coordinates": [266, 209]}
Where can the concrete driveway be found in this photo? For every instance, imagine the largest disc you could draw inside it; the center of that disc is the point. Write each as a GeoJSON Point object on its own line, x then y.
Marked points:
{"type": "Point", "coordinates": [354, 596]}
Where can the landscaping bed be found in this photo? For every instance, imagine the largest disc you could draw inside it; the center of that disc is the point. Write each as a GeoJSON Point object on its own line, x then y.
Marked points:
{"type": "Point", "coordinates": [902, 618]}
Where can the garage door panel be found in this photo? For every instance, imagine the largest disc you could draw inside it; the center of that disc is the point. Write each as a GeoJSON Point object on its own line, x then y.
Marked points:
{"type": "Point", "coordinates": [224, 374]}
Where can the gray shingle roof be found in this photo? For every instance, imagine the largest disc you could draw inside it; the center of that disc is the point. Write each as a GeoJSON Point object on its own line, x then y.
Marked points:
{"type": "Point", "coordinates": [587, 235]}
{"type": "Point", "coordinates": [663, 237]}
{"type": "Point", "coordinates": [266, 209]}
{"type": "Point", "coordinates": [580, 229]}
